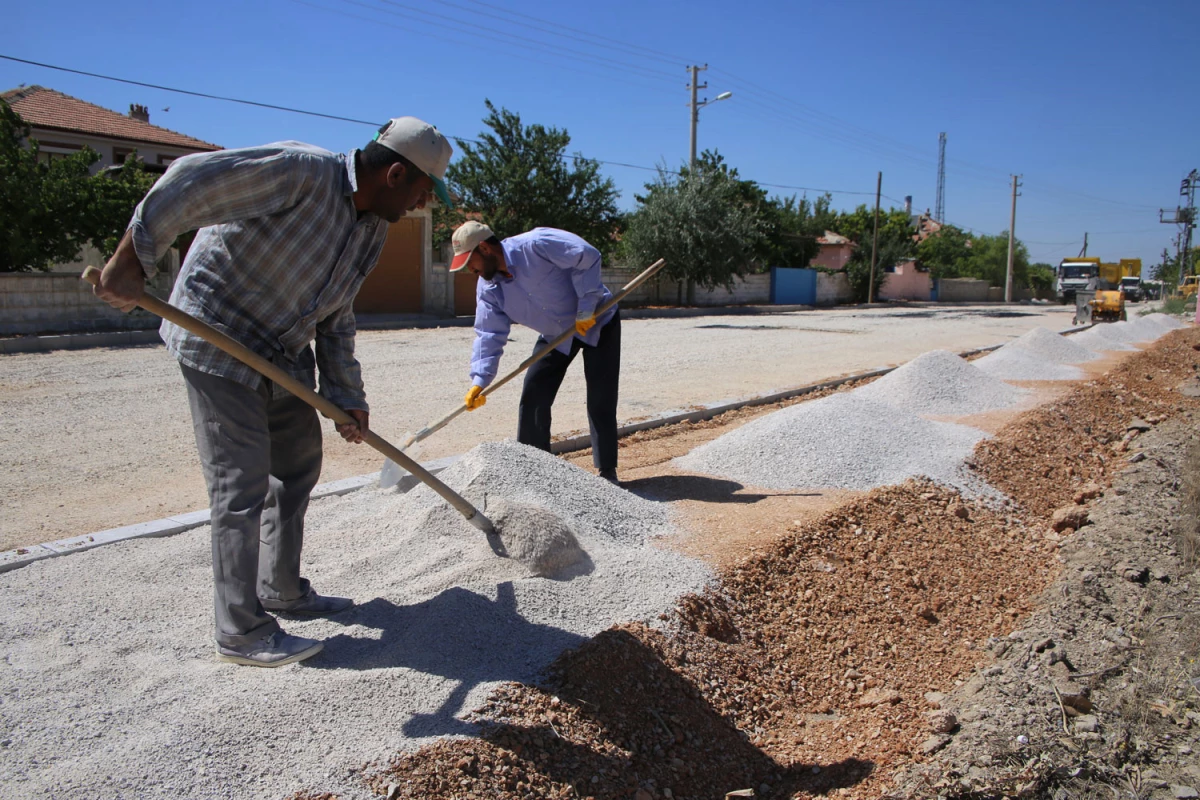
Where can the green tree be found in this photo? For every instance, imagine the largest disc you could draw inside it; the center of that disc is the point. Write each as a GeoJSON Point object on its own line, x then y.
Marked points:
{"type": "Point", "coordinates": [794, 225]}
{"type": "Point", "coordinates": [50, 211]}
{"type": "Point", "coordinates": [518, 177]}
{"type": "Point", "coordinates": [946, 253]}
{"type": "Point", "coordinates": [708, 224]}
{"type": "Point", "coordinates": [1041, 277]}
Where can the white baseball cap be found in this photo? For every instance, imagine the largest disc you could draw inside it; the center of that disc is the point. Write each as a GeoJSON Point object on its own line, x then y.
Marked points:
{"type": "Point", "coordinates": [466, 238]}
{"type": "Point", "coordinates": [423, 145]}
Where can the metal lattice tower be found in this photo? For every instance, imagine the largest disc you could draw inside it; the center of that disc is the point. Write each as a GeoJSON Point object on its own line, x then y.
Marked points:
{"type": "Point", "coordinates": [1185, 217]}
{"type": "Point", "coordinates": [939, 209]}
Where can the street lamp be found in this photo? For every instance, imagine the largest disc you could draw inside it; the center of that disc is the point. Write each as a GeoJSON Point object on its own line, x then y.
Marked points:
{"type": "Point", "coordinates": [696, 106]}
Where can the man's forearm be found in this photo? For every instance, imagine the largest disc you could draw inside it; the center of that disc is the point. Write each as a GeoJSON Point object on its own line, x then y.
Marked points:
{"type": "Point", "coordinates": [123, 280]}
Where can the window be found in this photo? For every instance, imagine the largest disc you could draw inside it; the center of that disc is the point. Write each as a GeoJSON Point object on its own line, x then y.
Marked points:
{"type": "Point", "coordinates": [49, 152]}
{"type": "Point", "coordinates": [121, 153]}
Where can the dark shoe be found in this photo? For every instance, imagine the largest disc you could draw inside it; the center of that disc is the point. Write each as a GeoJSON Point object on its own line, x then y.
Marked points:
{"type": "Point", "coordinates": [610, 475]}
{"type": "Point", "coordinates": [311, 605]}
{"type": "Point", "coordinates": [276, 650]}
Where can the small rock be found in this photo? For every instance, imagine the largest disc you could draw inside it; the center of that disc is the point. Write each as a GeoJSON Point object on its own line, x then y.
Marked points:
{"type": "Point", "coordinates": [392, 791]}
{"type": "Point", "coordinates": [1136, 457]}
{"type": "Point", "coordinates": [1042, 645]}
{"type": "Point", "coordinates": [1139, 425]}
{"type": "Point", "coordinates": [852, 675]}
{"type": "Point", "coordinates": [1183, 792]}
{"type": "Point", "coordinates": [961, 511]}
{"type": "Point", "coordinates": [935, 699]}
{"type": "Point", "coordinates": [934, 743]}
{"type": "Point", "coordinates": [1089, 491]}
{"type": "Point", "coordinates": [1132, 573]}
{"type": "Point", "coordinates": [1069, 518]}
{"type": "Point", "coordinates": [642, 794]}
{"type": "Point", "coordinates": [878, 697]}
{"type": "Point", "coordinates": [1022, 739]}
{"type": "Point", "coordinates": [941, 721]}
{"type": "Point", "coordinates": [1087, 724]}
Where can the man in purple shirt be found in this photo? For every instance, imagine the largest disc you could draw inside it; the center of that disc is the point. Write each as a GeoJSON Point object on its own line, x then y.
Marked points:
{"type": "Point", "coordinates": [547, 280]}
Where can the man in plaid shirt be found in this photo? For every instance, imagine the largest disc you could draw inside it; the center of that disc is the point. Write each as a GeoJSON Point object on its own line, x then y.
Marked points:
{"type": "Point", "coordinates": [287, 233]}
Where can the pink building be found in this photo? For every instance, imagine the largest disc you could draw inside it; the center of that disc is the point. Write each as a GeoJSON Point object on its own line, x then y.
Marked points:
{"type": "Point", "coordinates": [905, 282]}
{"type": "Point", "coordinates": [835, 251]}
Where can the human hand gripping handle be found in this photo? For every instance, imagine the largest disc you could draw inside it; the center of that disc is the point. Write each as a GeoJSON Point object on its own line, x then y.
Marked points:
{"type": "Point", "coordinates": [475, 398]}
{"type": "Point", "coordinates": [584, 323]}
{"type": "Point", "coordinates": [122, 282]}
{"type": "Point", "coordinates": [354, 432]}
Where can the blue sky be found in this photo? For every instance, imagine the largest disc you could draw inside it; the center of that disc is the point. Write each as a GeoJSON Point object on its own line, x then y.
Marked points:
{"type": "Point", "coordinates": [1089, 101]}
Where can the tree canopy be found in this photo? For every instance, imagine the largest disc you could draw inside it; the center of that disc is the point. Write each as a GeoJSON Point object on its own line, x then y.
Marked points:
{"type": "Point", "coordinates": [51, 210]}
{"type": "Point", "coordinates": [707, 223]}
{"type": "Point", "coordinates": [519, 177]}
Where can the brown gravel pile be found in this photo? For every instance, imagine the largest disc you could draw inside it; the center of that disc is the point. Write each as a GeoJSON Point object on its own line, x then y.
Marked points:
{"type": "Point", "coordinates": [806, 674]}
{"type": "Point", "coordinates": [1048, 454]}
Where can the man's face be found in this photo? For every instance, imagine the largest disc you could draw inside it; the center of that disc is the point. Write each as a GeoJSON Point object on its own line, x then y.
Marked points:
{"type": "Point", "coordinates": [406, 190]}
{"type": "Point", "coordinates": [484, 262]}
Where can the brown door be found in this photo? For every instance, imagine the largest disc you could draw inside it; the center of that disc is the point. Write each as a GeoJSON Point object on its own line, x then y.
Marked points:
{"type": "Point", "coordinates": [464, 293]}
{"type": "Point", "coordinates": [394, 286]}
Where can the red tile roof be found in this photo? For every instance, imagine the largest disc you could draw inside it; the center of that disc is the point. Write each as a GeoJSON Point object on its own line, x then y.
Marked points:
{"type": "Point", "coordinates": [46, 108]}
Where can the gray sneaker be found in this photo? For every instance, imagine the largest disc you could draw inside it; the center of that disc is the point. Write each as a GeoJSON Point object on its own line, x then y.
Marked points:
{"type": "Point", "coordinates": [276, 650]}
{"type": "Point", "coordinates": [311, 605]}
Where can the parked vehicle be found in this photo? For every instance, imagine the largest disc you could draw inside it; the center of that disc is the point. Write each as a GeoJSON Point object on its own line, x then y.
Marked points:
{"type": "Point", "coordinates": [1075, 275]}
{"type": "Point", "coordinates": [1132, 287]}
{"type": "Point", "coordinates": [1189, 285]}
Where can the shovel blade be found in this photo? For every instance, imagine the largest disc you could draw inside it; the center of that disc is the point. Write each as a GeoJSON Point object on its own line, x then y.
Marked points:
{"type": "Point", "coordinates": [392, 473]}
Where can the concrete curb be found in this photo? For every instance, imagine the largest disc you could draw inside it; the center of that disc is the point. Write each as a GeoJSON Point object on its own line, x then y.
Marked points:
{"type": "Point", "coordinates": [169, 526]}
{"type": "Point", "coordinates": [78, 341]}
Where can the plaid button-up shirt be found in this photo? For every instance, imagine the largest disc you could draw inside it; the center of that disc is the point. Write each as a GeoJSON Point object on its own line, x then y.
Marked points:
{"type": "Point", "coordinates": [279, 256]}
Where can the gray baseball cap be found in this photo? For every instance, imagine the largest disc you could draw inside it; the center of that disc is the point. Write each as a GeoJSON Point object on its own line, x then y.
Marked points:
{"type": "Point", "coordinates": [424, 146]}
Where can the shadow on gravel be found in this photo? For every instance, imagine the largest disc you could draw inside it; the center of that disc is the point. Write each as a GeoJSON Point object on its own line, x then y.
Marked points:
{"type": "Point", "coordinates": [458, 635]}
{"type": "Point", "coordinates": [669, 488]}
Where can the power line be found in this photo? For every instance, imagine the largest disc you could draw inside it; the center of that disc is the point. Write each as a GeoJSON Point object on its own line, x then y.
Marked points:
{"type": "Point", "coordinates": [205, 95]}
{"type": "Point", "coordinates": [374, 124]}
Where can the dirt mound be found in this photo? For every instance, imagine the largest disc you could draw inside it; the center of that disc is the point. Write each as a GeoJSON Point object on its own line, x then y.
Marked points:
{"type": "Point", "coordinates": [1045, 456]}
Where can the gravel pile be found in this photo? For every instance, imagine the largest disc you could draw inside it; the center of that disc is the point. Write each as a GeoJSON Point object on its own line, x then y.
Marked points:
{"type": "Point", "coordinates": [110, 688]}
{"type": "Point", "coordinates": [1097, 339]}
{"type": "Point", "coordinates": [939, 382]}
{"type": "Point", "coordinates": [1142, 329]}
{"type": "Point", "coordinates": [1019, 364]}
{"type": "Point", "coordinates": [838, 442]}
{"type": "Point", "coordinates": [1052, 347]}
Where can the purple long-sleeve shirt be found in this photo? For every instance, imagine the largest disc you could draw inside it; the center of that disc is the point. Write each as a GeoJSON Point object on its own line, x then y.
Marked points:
{"type": "Point", "coordinates": [555, 281]}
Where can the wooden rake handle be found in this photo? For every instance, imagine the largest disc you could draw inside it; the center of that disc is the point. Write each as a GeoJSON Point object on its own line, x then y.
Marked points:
{"type": "Point", "coordinates": [329, 409]}
{"type": "Point", "coordinates": [434, 427]}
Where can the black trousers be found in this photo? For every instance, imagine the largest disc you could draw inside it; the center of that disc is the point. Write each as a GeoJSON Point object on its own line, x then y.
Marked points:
{"type": "Point", "coordinates": [601, 370]}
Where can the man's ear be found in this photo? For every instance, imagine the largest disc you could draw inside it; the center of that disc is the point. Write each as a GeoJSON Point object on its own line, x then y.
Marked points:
{"type": "Point", "coordinates": [395, 175]}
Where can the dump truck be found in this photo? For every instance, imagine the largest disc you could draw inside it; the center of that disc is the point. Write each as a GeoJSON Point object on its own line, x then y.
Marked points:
{"type": "Point", "coordinates": [1189, 285]}
{"type": "Point", "coordinates": [1075, 275]}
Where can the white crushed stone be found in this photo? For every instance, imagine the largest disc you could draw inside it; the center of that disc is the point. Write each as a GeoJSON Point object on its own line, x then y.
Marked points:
{"type": "Point", "coordinates": [842, 441]}
{"type": "Point", "coordinates": [1096, 338]}
{"type": "Point", "coordinates": [1165, 321]}
{"type": "Point", "coordinates": [1141, 329]}
{"type": "Point", "coordinates": [1020, 364]}
{"type": "Point", "coordinates": [940, 382]}
{"type": "Point", "coordinates": [109, 688]}
{"type": "Point", "coordinates": [1052, 347]}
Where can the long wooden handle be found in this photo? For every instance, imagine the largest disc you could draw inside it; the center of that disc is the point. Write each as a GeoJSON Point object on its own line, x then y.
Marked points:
{"type": "Point", "coordinates": [329, 409]}
{"type": "Point", "coordinates": [552, 345]}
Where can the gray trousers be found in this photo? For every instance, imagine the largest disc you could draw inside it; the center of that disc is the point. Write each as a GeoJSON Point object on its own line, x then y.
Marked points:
{"type": "Point", "coordinates": [261, 454]}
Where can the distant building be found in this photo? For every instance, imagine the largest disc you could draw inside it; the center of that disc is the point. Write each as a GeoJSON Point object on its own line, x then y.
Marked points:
{"type": "Point", "coordinates": [835, 251]}
{"type": "Point", "coordinates": [63, 125]}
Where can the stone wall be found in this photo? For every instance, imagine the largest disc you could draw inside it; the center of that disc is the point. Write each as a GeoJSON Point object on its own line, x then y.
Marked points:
{"type": "Point", "coordinates": [750, 290]}
{"type": "Point", "coordinates": [963, 290]}
{"type": "Point", "coordinates": [49, 302]}
{"type": "Point", "coordinates": [833, 289]}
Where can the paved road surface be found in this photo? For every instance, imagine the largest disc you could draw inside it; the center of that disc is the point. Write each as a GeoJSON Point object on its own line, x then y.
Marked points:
{"type": "Point", "coordinates": [95, 439]}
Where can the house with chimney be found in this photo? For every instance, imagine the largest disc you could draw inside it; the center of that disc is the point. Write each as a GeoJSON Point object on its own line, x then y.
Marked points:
{"type": "Point", "coordinates": [406, 280]}
{"type": "Point", "coordinates": [63, 125]}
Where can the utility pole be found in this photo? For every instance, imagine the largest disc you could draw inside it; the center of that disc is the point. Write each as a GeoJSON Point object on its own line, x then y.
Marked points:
{"type": "Point", "coordinates": [1083, 252]}
{"type": "Point", "coordinates": [874, 240]}
{"type": "Point", "coordinates": [695, 114]}
{"type": "Point", "coordinates": [1012, 224]}
{"type": "Point", "coordinates": [939, 206]}
{"type": "Point", "coordinates": [1185, 218]}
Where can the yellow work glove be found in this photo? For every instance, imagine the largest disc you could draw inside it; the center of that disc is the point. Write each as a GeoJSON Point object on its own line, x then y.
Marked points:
{"type": "Point", "coordinates": [584, 324]}
{"type": "Point", "coordinates": [475, 398]}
